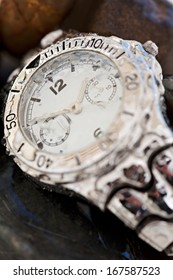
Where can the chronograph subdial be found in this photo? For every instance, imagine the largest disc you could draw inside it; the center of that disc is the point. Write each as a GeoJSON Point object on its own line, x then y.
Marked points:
{"type": "Point", "coordinates": [55, 130]}
{"type": "Point", "coordinates": [101, 89]}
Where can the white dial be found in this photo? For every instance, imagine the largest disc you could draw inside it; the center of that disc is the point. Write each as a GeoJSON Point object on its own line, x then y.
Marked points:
{"type": "Point", "coordinates": [74, 106]}
{"type": "Point", "coordinates": [71, 101]}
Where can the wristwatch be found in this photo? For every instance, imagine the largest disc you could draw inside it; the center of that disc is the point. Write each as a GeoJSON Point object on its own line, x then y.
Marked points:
{"type": "Point", "coordinates": [86, 116]}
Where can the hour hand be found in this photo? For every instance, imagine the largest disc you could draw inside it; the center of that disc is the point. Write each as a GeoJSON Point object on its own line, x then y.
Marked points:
{"type": "Point", "coordinates": [76, 107]}
{"type": "Point", "coordinates": [81, 94]}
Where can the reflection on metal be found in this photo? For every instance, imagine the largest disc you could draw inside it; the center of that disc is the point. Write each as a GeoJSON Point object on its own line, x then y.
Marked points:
{"type": "Point", "coordinates": [149, 209]}
{"type": "Point", "coordinates": [135, 173]}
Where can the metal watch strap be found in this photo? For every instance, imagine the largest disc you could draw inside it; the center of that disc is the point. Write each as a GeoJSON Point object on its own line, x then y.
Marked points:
{"type": "Point", "coordinates": [148, 209]}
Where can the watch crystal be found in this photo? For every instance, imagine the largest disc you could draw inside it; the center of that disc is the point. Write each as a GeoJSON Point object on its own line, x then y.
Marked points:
{"type": "Point", "coordinates": [70, 101]}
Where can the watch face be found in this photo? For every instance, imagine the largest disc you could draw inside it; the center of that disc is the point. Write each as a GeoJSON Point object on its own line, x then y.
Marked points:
{"type": "Point", "coordinates": [70, 107]}
{"type": "Point", "coordinates": [70, 101]}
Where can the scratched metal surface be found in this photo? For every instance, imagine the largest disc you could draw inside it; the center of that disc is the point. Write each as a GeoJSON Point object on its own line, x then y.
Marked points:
{"type": "Point", "coordinates": [36, 224]}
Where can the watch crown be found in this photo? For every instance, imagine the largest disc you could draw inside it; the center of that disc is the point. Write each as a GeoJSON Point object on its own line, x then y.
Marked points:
{"type": "Point", "coordinates": [151, 48]}
{"type": "Point", "coordinates": [50, 38]}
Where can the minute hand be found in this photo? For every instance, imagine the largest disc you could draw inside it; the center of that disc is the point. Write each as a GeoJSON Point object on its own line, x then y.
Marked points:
{"type": "Point", "coordinates": [76, 107]}
{"type": "Point", "coordinates": [48, 116]}
{"type": "Point", "coordinates": [81, 95]}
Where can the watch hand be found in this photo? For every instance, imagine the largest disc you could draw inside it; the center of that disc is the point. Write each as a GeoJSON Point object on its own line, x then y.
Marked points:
{"type": "Point", "coordinates": [76, 107]}
{"type": "Point", "coordinates": [48, 116]}
{"type": "Point", "coordinates": [81, 95]}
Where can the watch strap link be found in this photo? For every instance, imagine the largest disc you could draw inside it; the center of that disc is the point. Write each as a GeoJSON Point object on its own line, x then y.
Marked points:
{"type": "Point", "coordinates": [149, 209]}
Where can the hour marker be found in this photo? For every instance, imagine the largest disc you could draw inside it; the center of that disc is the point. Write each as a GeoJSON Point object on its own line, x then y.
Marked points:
{"type": "Point", "coordinates": [98, 132]}
{"type": "Point", "coordinates": [78, 160]}
{"type": "Point", "coordinates": [72, 68]}
{"type": "Point", "coordinates": [106, 47]}
{"type": "Point", "coordinates": [50, 79]}
{"type": "Point", "coordinates": [95, 67]}
{"type": "Point", "coordinates": [117, 76]}
{"type": "Point", "coordinates": [63, 45]}
{"type": "Point", "coordinates": [15, 90]}
{"type": "Point", "coordinates": [82, 42]}
{"type": "Point", "coordinates": [35, 99]}
{"type": "Point", "coordinates": [111, 49]}
{"type": "Point", "coordinates": [20, 147]}
{"type": "Point", "coordinates": [120, 54]}
{"type": "Point", "coordinates": [128, 113]}
{"type": "Point", "coordinates": [40, 145]}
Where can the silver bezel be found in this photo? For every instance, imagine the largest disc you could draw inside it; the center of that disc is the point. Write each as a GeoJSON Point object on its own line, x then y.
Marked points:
{"type": "Point", "coordinates": [134, 68]}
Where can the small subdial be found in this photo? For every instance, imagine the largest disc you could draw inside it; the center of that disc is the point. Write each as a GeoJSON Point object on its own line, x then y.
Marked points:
{"type": "Point", "coordinates": [55, 130]}
{"type": "Point", "coordinates": [100, 90]}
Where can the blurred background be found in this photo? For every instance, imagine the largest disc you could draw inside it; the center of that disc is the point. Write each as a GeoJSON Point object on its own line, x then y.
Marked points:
{"type": "Point", "coordinates": [37, 224]}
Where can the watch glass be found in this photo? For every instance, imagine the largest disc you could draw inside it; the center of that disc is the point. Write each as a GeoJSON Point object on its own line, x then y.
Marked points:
{"type": "Point", "coordinates": [71, 101]}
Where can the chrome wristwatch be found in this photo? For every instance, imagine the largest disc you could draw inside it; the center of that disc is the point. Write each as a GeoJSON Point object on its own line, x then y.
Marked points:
{"type": "Point", "coordinates": [84, 115]}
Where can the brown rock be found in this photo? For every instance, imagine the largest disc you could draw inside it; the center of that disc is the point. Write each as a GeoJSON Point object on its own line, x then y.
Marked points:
{"type": "Point", "coordinates": [23, 23]}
